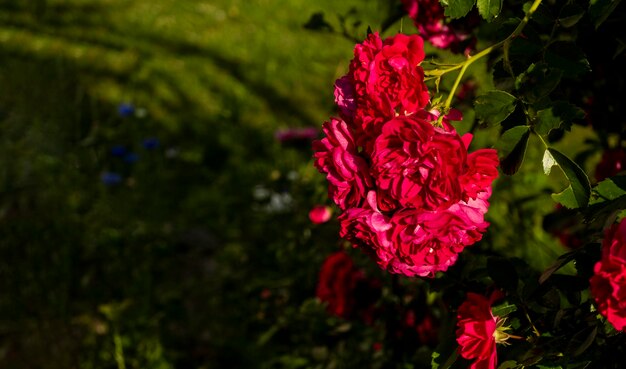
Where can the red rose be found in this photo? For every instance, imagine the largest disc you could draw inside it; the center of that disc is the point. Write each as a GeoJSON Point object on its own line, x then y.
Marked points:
{"type": "Point", "coordinates": [481, 171]}
{"type": "Point", "coordinates": [430, 241]}
{"type": "Point", "coordinates": [608, 284]}
{"type": "Point", "coordinates": [345, 288]}
{"type": "Point", "coordinates": [476, 333]}
{"type": "Point", "coordinates": [613, 161]}
{"type": "Point", "coordinates": [369, 228]}
{"type": "Point", "coordinates": [346, 171]}
{"type": "Point", "coordinates": [416, 165]}
{"type": "Point", "coordinates": [384, 80]}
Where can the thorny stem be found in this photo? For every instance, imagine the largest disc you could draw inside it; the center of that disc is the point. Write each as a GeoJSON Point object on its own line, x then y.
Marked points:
{"type": "Point", "coordinates": [463, 66]}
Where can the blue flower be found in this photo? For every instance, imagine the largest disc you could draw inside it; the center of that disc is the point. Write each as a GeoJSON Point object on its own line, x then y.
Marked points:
{"type": "Point", "coordinates": [111, 178]}
{"type": "Point", "coordinates": [118, 150]}
{"type": "Point", "coordinates": [131, 158]}
{"type": "Point", "coordinates": [125, 110]}
{"type": "Point", "coordinates": [151, 143]}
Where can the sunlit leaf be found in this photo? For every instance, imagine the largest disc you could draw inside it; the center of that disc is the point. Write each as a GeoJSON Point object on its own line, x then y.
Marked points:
{"type": "Point", "coordinates": [577, 194]}
{"type": "Point", "coordinates": [458, 8]}
{"type": "Point", "coordinates": [489, 9]}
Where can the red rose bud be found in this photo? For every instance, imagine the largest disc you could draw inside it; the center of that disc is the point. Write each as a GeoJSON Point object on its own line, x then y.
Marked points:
{"type": "Point", "coordinates": [320, 214]}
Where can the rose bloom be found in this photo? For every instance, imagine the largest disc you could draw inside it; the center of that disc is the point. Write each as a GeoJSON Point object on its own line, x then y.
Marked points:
{"type": "Point", "coordinates": [346, 171]}
{"type": "Point", "coordinates": [417, 165]}
{"type": "Point", "coordinates": [608, 284]}
{"type": "Point", "coordinates": [431, 225]}
{"type": "Point", "coordinates": [613, 161]}
{"type": "Point", "coordinates": [479, 330]}
{"type": "Point", "coordinates": [345, 288]}
{"type": "Point", "coordinates": [430, 20]}
{"type": "Point", "coordinates": [384, 80]}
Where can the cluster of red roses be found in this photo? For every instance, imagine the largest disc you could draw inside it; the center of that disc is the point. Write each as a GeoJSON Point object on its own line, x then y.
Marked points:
{"type": "Point", "coordinates": [411, 194]}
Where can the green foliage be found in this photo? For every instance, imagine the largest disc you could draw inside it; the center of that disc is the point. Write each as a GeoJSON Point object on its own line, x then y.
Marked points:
{"type": "Point", "coordinates": [577, 194]}
{"type": "Point", "coordinates": [512, 148]}
{"type": "Point", "coordinates": [489, 9]}
{"type": "Point", "coordinates": [458, 8]}
{"type": "Point", "coordinates": [494, 107]}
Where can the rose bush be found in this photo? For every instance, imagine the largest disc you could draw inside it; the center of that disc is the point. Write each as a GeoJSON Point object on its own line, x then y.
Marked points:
{"type": "Point", "coordinates": [608, 284]}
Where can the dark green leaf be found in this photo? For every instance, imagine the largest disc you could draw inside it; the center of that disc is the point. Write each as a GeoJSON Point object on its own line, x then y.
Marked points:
{"type": "Point", "coordinates": [509, 364]}
{"type": "Point", "coordinates": [599, 209]}
{"type": "Point", "coordinates": [582, 340]}
{"type": "Point", "coordinates": [570, 15]}
{"type": "Point", "coordinates": [567, 57]}
{"type": "Point", "coordinates": [489, 9]}
{"type": "Point", "coordinates": [318, 23]}
{"type": "Point", "coordinates": [512, 148]}
{"type": "Point", "coordinates": [577, 194]}
{"type": "Point", "coordinates": [537, 82]}
{"type": "Point", "coordinates": [560, 262]}
{"type": "Point", "coordinates": [458, 8]}
{"type": "Point", "coordinates": [559, 115]}
{"type": "Point", "coordinates": [503, 310]}
{"type": "Point", "coordinates": [494, 106]}
{"type": "Point", "coordinates": [581, 365]}
{"type": "Point", "coordinates": [599, 10]}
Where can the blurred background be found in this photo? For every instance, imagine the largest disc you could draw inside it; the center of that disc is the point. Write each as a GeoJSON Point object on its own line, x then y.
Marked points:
{"type": "Point", "coordinates": [152, 204]}
{"type": "Point", "coordinates": [156, 180]}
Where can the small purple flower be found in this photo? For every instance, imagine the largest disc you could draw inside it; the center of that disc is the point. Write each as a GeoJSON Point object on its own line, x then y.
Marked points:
{"type": "Point", "coordinates": [151, 143]}
{"type": "Point", "coordinates": [125, 110]}
{"type": "Point", "coordinates": [131, 158]}
{"type": "Point", "coordinates": [118, 150]}
{"type": "Point", "coordinates": [111, 178]}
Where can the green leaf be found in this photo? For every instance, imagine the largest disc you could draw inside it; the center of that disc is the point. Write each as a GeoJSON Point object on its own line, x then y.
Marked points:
{"type": "Point", "coordinates": [512, 148]}
{"type": "Point", "coordinates": [489, 9]}
{"type": "Point", "coordinates": [570, 15]}
{"type": "Point", "coordinates": [560, 262]}
{"type": "Point", "coordinates": [458, 8]}
{"type": "Point", "coordinates": [582, 340]}
{"type": "Point", "coordinates": [509, 364]}
{"type": "Point", "coordinates": [577, 194]}
{"type": "Point", "coordinates": [606, 197]}
{"type": "Point", "coordinates": [599, 10]}
{"type": "Point", "coordinates": [567, 57]}
{"type": "Point", "coordinates": [503, 310]}
{"type": "Point", "coordinates": [609, 189]}
{"type": "Point", "coordinates": [559, 115]}
{"type": "Point", "coordinates": [494, 106]}
{"type": "Point", "coordinates": [537, 82]}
